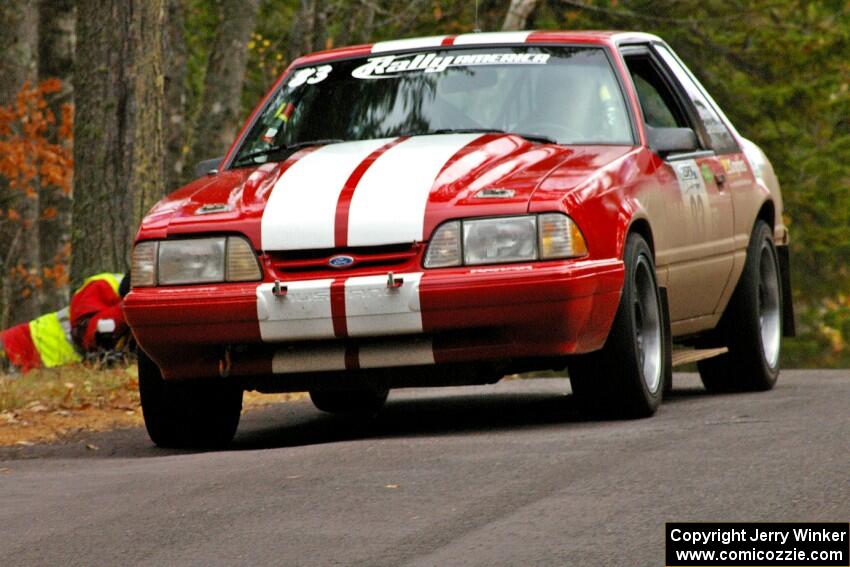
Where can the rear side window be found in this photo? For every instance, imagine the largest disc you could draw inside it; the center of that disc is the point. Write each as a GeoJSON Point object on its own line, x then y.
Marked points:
{"type": "Point", "coordinates": [719, 137]}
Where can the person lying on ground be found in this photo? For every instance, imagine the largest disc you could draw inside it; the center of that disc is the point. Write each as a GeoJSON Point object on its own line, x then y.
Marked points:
{"type": "Point", "coordinates": [93, 322]}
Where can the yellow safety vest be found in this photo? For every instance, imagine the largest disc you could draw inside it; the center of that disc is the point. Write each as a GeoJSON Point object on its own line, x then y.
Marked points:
{"type": "Point", "coordinates": [114, 280]}
{"type": "Point", "coordinates": [51, 335]}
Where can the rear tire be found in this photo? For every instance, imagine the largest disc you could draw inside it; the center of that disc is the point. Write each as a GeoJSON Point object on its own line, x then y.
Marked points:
{"type": "Point", "coordinates": [202, 414]}
{"type": "Point", "coordinates": [751, 326]}
{"type": "Point", "coordinates": [626, 377]}
{"type": "Point", "coordinates": [360, 402]}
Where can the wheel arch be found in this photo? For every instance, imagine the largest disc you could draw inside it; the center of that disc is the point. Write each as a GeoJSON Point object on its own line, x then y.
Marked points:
{"type": "Point", "coordinates": [639, 225]}
{"type": "Point", "coordinates": [767, 213]}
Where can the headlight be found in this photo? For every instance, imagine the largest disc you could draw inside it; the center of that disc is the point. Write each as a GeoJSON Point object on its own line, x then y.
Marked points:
{"type": "Point", "coordinates": [505, 239]}
{"type": "Point", "coordinates": [196, 260]}
{"type": "Point", "coordinates": [193, 261]}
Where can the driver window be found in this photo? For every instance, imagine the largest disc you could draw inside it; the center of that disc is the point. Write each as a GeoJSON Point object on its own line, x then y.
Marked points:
{"type": "Point", "coordinates": [659, 106]}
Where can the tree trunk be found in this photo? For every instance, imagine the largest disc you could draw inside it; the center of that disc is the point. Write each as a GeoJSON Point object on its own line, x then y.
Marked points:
{"type": "Point", "coordinates": [19, 64]}
{"type": "Point", "coordinates": [301, 31]}
{"type": "Point", "coordinates": [219, 116]}
{"type": "Point", "coordinates": [56, 38]}
{"type": "Point", "coordinates": [518, 13]}
{"type": "Point", "coordinates": [18, 47]}
{"type": "Point", "coordinates": [174, 114]}
{"type": "Point", "coordinates": [118, 138]}
{"type": "Point", "coordinates": [147, 178]}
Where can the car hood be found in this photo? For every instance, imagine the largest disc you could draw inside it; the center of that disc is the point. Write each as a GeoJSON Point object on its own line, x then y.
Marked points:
{"type": "Point", "coordinates": [374, 192]}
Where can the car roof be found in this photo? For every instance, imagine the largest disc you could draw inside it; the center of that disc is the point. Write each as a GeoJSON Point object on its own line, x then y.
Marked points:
{"type": "Point", "coordinates": [610, 38]}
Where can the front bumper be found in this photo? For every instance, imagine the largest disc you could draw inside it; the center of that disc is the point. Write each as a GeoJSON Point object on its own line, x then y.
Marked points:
{"type": "Point", "coordinates": [348, 322]}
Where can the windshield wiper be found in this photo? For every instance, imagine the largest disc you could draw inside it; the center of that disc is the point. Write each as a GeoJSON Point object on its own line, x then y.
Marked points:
{"type": "Point", "coordinates": [284, 147]}
{"type": "Point", "coordinates": [531, 137]}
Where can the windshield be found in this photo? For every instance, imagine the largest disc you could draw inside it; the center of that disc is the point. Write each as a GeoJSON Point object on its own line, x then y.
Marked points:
{"type": "Point", "coordinates": [567, 94]}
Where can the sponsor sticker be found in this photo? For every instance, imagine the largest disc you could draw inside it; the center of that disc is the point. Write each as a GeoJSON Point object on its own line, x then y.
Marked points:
{"type": "Point", "coordinates": [733, 166]}
{"type": "Point", "coordinates": [388, 66]}
{"type": "Point", "coordinates": [694, 194]}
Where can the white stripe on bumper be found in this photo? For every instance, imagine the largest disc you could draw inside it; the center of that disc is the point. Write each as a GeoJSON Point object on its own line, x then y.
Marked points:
{"type": "Point", "coordinates": [304, 313]}
{"type": "Point", "coordinates": [410, 351]}
{"type": "Point", "coordinates": [390, 354]}
{"type": "Point", "coordinates": [373, 309]}
{"type": "Point", "coordinates": [316, 358]}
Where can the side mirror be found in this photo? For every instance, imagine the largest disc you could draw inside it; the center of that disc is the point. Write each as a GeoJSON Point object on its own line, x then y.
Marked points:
{"type": "Point", "coordinates": [666, 141]}
{"type": "Point", "coordinates": [207, 167]}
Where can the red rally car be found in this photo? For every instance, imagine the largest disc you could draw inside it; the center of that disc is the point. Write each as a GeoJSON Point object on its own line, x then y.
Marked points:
{"type": "Point", "coordinates": [447, 210]}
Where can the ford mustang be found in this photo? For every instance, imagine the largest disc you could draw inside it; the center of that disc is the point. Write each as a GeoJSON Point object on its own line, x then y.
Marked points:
{"type": "Point", "coordinates": [448, 210]}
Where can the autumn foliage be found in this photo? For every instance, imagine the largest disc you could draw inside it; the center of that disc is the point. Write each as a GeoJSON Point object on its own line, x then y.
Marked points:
{"type": "Point", "coordinates": [35, 159]}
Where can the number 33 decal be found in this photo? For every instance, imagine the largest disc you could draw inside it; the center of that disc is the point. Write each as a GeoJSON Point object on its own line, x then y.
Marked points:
{"type": "Point", "coordinates": [310, 75]}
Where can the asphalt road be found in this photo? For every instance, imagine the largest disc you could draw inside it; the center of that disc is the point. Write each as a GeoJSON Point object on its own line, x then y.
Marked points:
{"type": "Point", "coordinates": [510, 474]}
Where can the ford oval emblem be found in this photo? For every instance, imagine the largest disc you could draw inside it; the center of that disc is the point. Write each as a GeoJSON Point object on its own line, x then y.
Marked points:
{"type": "Point", "coordinates": [341, 261]}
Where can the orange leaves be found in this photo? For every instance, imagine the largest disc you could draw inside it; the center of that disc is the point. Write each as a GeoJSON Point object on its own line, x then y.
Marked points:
{"type": "Point", "coordinates": [50, 86]}
{"type": "Point", "coordinates": [35, 161]}
{"type": "Point", "coordinates": [29, 160]}
{"type": "Point", "coordinates": [57, 274]}
{"type": "Point", "coordinates": [66, 127]}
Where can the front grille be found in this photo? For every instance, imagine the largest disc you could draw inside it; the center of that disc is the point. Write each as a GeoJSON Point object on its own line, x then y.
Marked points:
{"type": "Point", "coordinates": [288, 261]}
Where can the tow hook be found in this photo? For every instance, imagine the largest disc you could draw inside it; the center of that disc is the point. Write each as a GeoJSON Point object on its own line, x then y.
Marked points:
{"type": "Point", "coordinates": [225, 364]}
{"type": "Point", "coordinates": [394, 282]}
{"type": "Point", "coordinates": [279, 290]}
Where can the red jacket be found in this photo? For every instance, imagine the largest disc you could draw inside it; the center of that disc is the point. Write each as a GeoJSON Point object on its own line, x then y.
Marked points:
{"type": "Point", "coordinates": [20, 350]}
{"type": "Point", "coordinates": [95, 301]}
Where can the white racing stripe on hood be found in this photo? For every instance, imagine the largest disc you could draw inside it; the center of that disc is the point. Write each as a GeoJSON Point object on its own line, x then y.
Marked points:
{"type": "Point", "coordinates": [301, 210]}
{"type": "Point", "coordinates": [389, 203]}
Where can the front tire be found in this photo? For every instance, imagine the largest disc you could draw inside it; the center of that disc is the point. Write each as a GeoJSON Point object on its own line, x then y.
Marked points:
{"type": "Point", "coordinates": [358, 402]}
{"type": "Point", "coordinates": [626, 378]}
{"type": "Point", "coordinates": [751, 326]}
{"type": "Point", "coordinates": [201, 414]}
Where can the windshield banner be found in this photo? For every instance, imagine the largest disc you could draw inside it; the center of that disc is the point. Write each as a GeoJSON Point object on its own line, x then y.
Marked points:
{"type": "Point", "coordinates": [389, 66]}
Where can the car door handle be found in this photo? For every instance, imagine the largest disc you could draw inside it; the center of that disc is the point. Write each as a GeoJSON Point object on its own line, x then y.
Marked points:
{"type": "Point", "coordinates": [721, 180]}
